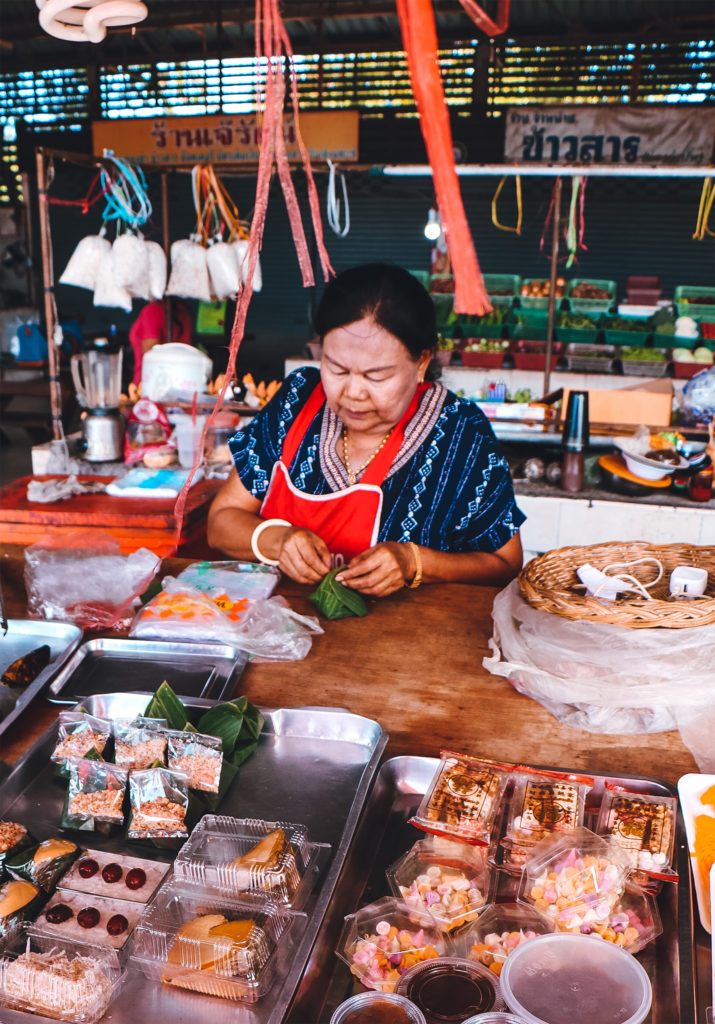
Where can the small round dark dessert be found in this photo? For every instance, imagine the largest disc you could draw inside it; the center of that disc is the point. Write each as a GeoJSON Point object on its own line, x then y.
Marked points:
{"type": "Point", "coordinates": [88, 867]}
{"type": "Point", "coordinates": [59, 913]}
{"type": "Point", "coordinates": [117, 925]}
{"type": "Point", "coordinates": [668, 458]}
{"type": "Point", "coordinates": [112, 873]}
{"type": "Point", "coordinates": [135, 879]}
{"type": "Point", "coordinates": [88, 918]}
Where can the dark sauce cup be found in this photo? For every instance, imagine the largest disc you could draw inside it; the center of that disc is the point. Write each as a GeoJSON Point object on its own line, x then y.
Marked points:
{"type": "Point", "coordinates": [449, 990]}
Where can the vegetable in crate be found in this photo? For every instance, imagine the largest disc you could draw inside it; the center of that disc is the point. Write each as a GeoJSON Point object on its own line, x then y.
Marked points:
{"type": "Point", "coordinates": [336, 601]}
{"type": "Point", "coordinates": [577, 321]}
{"type": "Point", "coordinates": [586, 290]}
{"type": "Point", "coordinates": [643, 355]}
{"type": "Point", "coordinates": [484, 345]}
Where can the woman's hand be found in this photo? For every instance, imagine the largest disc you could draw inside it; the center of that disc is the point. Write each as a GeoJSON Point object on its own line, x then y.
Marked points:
{"type": "Point", "coordinates": [381, 570]}
{"type": "Point", "coordinates": [303, 555]}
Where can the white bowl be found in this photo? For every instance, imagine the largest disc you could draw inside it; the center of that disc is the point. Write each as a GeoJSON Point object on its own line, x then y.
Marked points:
{"type": "Point", "coordinates": [647, 469]}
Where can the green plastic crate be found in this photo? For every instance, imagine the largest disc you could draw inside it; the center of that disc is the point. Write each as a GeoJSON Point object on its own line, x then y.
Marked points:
{"type": "Point", "coordinates": [443, 305]}
{"type": "Point", "coordinates": [533, 301]}
{"type": "Point", "coordinates": [422, 276]}
{"type": "Point", "coordinates": [473, 329]}
{"type": "Point", "coordinates": [502, 283]}
{"type": "Point", "coordinates": [591, 305]}
{"type": "Point", "coordinates": [698, 311]}
{"type": "Point", "coordinates": [664, 341]}
{"type": "Point", "coordinates": [529, 331]}
{"type": "Point", "coordinates": [576, 335]}
{"type": "Point", "coordinates": [636, 338]}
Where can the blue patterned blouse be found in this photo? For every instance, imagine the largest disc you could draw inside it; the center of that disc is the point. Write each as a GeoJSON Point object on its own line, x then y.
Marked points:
{"type": "Point", "coordinates": [449, 488]}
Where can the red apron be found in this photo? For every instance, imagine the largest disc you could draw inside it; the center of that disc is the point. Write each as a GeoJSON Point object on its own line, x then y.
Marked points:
{"type": "Point", "coordinates": [348, 520]}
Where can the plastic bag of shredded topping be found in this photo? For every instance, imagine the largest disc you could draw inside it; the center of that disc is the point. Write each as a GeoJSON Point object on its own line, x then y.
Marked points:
{"type": "Point", "coordinates": [83, 266]}
{"type": "Point", "coordinates": [189, 277]}
{"type": "Point", "coordinates": [78, 733]}
{"type": "Point", "coordinates": [130, 265]}
{"type": "Point", "coordinates": [223, 270]}
{"type": "Point", "coordinates": [157, 269]}
{"type": "Point", "coordinates": [607, 678]}
{"type": "Point", "coordinates": [241, 248]}
{"type": "Point", "coordinates": [95, 795]}
{"type": "Point", "coordinates": [159, 800]}
{"type": "Point", "coordinates": [106, 290]}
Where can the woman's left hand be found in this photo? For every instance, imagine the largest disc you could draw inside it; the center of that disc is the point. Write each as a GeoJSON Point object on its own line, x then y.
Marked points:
{"type": "Point", "coordinates": [380, 570]}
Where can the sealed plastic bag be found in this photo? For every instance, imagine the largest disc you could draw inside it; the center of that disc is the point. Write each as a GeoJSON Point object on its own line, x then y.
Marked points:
{"type": "Point", "coordinates": [130, 265]}
{"type": "Point", "coordinates": [231, 581]}
{"type": "Point", "coordinates": [698, 403]}
{"type": "Point", "coordinates": [106, 290]}
{"type": "Point", "coordinates": [83, 577]}
{"type": "Point", "coordinates": [266, 629]}
{"type": "Point", "coordinates": [95, 795]}
{"type": "Point", "coordinates": [84, 263]}
{"type": "Point", "coordinates": [189, 277]}
{"type": "Point", "coordinates": [223, 270]}
{"type": "Point", "coordinates": [606, 678]}
{"type": "Point", "coordinates": [159, 801]}
{"type": "Point", "coordinates": [241, 249]}
{"type": "Point", "coordinates": [157, 269]}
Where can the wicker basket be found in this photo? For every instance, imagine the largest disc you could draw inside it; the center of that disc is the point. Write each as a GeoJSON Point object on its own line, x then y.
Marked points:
{"type": "Point", "coordinates": [550, 584]}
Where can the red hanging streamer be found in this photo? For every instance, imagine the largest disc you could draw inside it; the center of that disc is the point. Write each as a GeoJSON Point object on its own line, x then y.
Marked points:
{"type": "Point", "coordinates": [484, 22]}
{"type": "Point", "coordinates": [419, 36]}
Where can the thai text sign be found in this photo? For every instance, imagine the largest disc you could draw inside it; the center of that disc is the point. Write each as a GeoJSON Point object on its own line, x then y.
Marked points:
{"type": "Point", "coordinates": [610, 135]}
{"type": "Point", "coordinates": [224, 138]}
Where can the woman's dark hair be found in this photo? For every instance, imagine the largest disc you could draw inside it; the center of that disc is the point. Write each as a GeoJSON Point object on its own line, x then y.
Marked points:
{"type": "Point", "coordinates": [390, 295]}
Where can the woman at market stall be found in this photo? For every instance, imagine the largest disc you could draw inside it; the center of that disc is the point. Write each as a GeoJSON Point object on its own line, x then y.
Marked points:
{"type": "Point", "coordinates": [366, 464]}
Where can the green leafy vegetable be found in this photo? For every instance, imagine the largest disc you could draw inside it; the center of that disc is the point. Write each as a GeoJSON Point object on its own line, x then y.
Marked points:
{"type": "Point", "coordinates": [336, 601]}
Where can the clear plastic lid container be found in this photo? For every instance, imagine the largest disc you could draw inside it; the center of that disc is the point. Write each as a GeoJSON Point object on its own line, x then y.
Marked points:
{"type": "Point", "coordinates": [633, 922]}
{"type": "Point", "coordinates": [495, 1017]}
{"type": "Point", "coordinates": [576, 879]}
{"type": "Point", "coordinates": [247, 855]}
{"type": "Point", "coordinates": [498, 931]}
{"type": "Point", "coordinates": [59, 979]}
{"type": "Point", "coordinates": [445, 990]}
{"type": "Point", "coordinates": [644, 826]}
{"type": "Point", "coordinates": [202, 942]}
{"type": "Point", "coordinates": [463, 799]}
{"type": "Point", "coordinates": [377, 1008]}
{"type": "Point", "coordinates": [382, 940]}
{"type": "Point", "coordinates": [540, 806]}
{"type": "Point", "coordinates": [449, 880]}
{"type": "Point", "coordinates": [560, 979]}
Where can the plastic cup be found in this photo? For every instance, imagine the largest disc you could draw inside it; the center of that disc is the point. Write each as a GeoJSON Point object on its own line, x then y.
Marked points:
{"type": "Point", "coordinates": [562, 978]}
{"type": "Point", "coordinates": [188, 440]}
{"type": "Point", "coordinates": [447, 989]}
{"type": "Point", "coordinates": [575, 431]}
{"type": "Point", "coordinates": [495, 1017]}
{"type": "Point", "coordinates": [366, 1005]}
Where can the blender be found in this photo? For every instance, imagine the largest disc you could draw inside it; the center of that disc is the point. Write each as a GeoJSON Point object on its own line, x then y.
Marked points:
{"type": "Point", "coordinates": [97, 376]}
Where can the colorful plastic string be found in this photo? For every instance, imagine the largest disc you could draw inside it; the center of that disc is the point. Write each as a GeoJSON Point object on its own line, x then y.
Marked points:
{"type": "Point", "coordinates": [419, 36]}
{"type": "Point", "coordinates": [484, 22]}
{"type": "Point", "coordinates": [495, 218]}
{"type": "Point", "coordinates": [575, 228]}
{"type": "Point", "coordinates": [333, 203]}
{"type": "Point", "coordinates": [706, 203]}
{"type": "Point", "coordinates": [125, 188]}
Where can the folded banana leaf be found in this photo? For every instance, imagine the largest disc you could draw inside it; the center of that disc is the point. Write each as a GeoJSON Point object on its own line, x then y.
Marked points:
{"type": "Point", "coordinates": [165, 704]}
{"type": "Point", "coordinates": [26, 668]}
{"type": "Point", "coordinates": [336, 601]}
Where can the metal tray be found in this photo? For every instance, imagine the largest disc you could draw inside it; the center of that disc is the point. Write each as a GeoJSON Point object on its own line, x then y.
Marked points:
{"type": "Point", "coordinates": [23, 636]}
{"type": "Point", "coordinates": [384, 835]}
{"type": "Point", "coordinates": [108, 665]}
{"type": "Point", "coordinates": [313, 766]}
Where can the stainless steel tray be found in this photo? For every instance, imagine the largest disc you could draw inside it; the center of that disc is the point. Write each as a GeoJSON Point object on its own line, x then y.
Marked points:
{"type": "Point", "coordinates": [313, 766]}
{"type": "Point", "coordinates": [108, 665]}
{"type": "Point", "coordinates": [384, 835]}
{"type": "Point", "coordinates": [23, 636]}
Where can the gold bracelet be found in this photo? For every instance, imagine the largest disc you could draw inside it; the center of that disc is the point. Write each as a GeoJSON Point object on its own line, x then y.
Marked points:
{"type": "Point", "coordinates": [417, 578]}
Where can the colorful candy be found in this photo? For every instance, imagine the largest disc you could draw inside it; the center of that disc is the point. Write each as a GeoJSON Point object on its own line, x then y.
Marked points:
{"type": "Point", "coordinates": [447, 893]}
{"type": "Point", "coordinates": [381, 958]}
{"type": "Point", "coordinates": [496, 947]}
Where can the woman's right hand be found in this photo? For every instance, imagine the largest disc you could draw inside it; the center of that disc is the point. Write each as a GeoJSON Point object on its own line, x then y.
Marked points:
{"type": "Point", "coordinates": [303, 555]}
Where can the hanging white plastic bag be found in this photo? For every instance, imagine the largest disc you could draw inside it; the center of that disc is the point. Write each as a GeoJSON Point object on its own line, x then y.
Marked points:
{"type": "Point", "coordinates": [130, 265]}
{"type": "Point", "coordinates": [106, 290]}
{"type": "Point", "coordinates": [223, 270]}
{"type": "Point", "coordinates": [241, 248]}
{"type": "Point", "coordinates": [606, 678]}
{"type": "Point", "coordinates": [83, 266]}
{"type": "Point", "coordinates": [265, 628]}
{"type": "Point", "coordinates": [157, 270]}
{"type": "Point", "coordinates": [189, 277]}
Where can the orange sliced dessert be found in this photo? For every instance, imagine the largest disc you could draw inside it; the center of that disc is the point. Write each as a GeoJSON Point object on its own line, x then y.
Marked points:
{"type": "Point", "coordinates": [264, 855]}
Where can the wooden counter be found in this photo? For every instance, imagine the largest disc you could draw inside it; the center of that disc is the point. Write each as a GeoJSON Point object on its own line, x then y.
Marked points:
{"type": "Point", "coordinates": [414, 665]}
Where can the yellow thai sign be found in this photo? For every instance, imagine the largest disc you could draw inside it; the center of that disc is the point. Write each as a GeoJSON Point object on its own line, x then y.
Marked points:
{"type": "Point", "coordinates": [224, 138]}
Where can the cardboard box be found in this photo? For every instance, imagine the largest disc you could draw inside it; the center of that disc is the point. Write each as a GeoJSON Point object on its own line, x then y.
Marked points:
{"type": "Point", "coordinates": [649, 403]}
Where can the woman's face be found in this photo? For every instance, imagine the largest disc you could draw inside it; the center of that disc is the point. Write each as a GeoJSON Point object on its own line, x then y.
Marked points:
{"type": "Point", "coordinates": [368, 376]}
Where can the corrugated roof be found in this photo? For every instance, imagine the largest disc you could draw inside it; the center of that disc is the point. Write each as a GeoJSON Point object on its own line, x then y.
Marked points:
{"type": "Point", "coordinates": [182, 29]}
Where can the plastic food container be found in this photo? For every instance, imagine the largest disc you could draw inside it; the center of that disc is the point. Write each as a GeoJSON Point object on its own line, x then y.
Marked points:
{"type": "Point", "coordinates": [463, 799]}
{"type": "Point", "coordinates": [202, 942]}
{"type": "Point", "coordinates": [499, 930]}
{"type": "Point", "coordinates": [377, 1008]}
{"type": "Point", "coordinates": [643, 290]}
{"type": "Point", "coordinates": [495, 1017]}
{"type": "Point", "coordinates": [449, 880]}
{"type": "Point", "coordinates": [445, 990]}
{"type": "Point", "coordinates": [384, 939]}
{"type": "Point", "coordinates": [246, 856]}
{"type": "Point", "coordinates": [576, 879]}
{"type": "Point", "coordinates": [644, 825]}
{"type": "Point", "coordinates": [50, 977]}
{"type": "Point", "coordinates": [541, 805]}
{"type": "Point", "coordinates": [559, 979]}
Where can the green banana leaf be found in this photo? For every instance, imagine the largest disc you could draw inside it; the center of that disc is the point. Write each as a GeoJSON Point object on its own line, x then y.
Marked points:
{"type": "Point", "coordinates": [336, 601]}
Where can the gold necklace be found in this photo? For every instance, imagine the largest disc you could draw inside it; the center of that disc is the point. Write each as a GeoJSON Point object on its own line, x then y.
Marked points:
{"type": "Point", "coordinates": [354, 474]}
